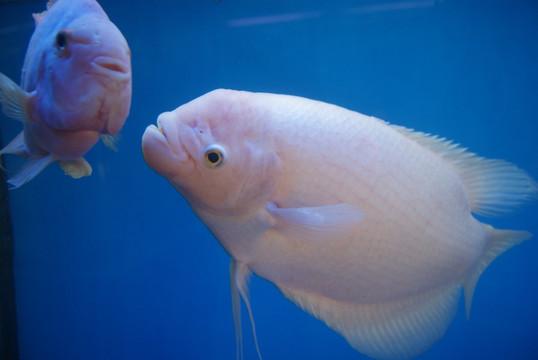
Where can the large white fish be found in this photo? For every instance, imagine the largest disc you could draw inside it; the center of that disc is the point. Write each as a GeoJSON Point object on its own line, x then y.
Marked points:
{"type": "Point", "coordinates": [365, 225]}
{"type": "Point", "coordinates": [75, 88]}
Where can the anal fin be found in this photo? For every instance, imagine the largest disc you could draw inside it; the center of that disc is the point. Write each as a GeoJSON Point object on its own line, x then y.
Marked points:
{"type": "Point", "coordinates": [401, 329]}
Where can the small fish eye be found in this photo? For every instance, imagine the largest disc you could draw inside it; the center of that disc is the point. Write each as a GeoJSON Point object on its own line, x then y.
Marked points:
{"type": "Point", "coordinates": [61, 40]}
{"type": "Point", "coordinates": [214, 156]}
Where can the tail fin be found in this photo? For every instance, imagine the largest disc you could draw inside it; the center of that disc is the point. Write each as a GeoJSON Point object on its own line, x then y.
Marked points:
{"type": "Point", "coordinates": [498, 241]}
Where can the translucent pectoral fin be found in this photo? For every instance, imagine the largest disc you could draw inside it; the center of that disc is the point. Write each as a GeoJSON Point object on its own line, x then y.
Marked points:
{"type": "Point", "coordinates": [13, 99]}
{"type": "Point", "coordinates": [321, 223]}
{"type": "Point", "coordinates": [76, 168]}
{"type": "Point", "coordinates": [239, 275]}
{"type": "Point", "coordinates": [110, 141]}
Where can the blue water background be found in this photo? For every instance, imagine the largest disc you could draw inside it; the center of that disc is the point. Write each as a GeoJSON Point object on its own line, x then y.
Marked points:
{"type": "Point", "coordinates": [116, 266]}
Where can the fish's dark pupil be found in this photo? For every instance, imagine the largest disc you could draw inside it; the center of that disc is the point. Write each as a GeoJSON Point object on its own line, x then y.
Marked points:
{"type": "Point", "coordinates": [61, 40]}
{"type": "Point", "coordinates": [213, 157]}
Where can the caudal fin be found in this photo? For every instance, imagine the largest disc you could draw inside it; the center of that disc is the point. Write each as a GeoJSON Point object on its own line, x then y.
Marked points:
{"type": "Point", "coordinates": [498, 241]}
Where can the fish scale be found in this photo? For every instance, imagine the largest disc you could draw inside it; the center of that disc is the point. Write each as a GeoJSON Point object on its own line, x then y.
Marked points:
{"type": "Point", "coordinates": [365, 225]}
{"type": "Point", "coordinates": [317, 180]}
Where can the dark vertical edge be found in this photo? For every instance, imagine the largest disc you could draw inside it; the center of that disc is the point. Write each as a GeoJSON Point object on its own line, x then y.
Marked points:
{"type": "Point", "coordinates": [9, 347]}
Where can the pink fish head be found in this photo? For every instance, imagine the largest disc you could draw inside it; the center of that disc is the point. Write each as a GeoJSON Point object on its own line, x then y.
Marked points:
{"type": "Point", "coordinates": [213, 155]}
{"type": "Point", "coordinates": [84, 80]}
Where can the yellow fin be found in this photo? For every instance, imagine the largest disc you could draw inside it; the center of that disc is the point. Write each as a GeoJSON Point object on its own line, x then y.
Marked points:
{"type": "Point", "coordinates": [76, 168]}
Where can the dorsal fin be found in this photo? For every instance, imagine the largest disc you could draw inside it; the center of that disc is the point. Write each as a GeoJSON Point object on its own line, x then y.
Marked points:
{"type": "Point", "coordinates": [50, 3]}
{"type": "Point", "coordinates": [39, 16]}
{"type": "Point", "coordinates": [493, 186]}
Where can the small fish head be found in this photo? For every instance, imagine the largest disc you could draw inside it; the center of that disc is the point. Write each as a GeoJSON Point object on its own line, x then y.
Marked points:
{"type": "Point", "coordinates": [214, 158]}
{"type": "Point", "coordinates": [84, 81]}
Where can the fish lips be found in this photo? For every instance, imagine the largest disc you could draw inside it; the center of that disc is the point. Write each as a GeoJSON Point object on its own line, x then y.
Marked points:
{"type": "Point", "coordinates": [162, 151]}
{"type": "Point", "coordinates": [111, 67]}
{"type": "Point", "coordinates": [116, 73]}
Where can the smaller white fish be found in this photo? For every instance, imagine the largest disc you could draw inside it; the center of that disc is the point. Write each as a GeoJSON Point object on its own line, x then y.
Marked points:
{"type": "Point", "coordinates": [75, 89]}
{"type": "Point", "coordinates": [365, 225]}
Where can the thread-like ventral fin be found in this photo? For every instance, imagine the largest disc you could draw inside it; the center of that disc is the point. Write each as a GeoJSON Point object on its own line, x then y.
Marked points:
{"type": "Point", "coordinates": [239, 276]}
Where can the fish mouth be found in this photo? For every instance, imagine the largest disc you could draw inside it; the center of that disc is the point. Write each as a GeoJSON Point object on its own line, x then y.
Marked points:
{"type": "Point", "coordinates": [108, 65]}
{"type": "Point", "coordinates": [171, 137]}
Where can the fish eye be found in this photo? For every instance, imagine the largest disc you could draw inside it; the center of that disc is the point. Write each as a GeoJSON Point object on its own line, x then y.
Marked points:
{"type": "Point", "coordinates": [214, 156]}
{"type": "Point", "coordinates": [61, 40]}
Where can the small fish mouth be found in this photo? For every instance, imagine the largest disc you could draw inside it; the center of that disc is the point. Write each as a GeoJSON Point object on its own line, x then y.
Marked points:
{"type": "Point", "coordinates": [172, 139]}
{"type": "Point", "coordinates": [112, 66]}
{"type": "Point", "coordinates": [159, 127]}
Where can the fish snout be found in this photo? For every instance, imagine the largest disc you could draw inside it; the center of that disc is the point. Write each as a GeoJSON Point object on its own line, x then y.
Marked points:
{"type": "Point", "coordinates": [156, 151]}
{"type": "Point", "coordinates": [162, 147]}
{"type": "Point", "coordinates": [175, 134]}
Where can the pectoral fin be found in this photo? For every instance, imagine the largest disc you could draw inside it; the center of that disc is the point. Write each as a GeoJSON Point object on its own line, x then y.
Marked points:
{"type": "Point", "coordinates": [14, 99]}
{"type": "Point", "coordinates": [321, 223]}
{"type": "Point", "coordinates": [76, 168]}
{"type": "Point", "coordinates": [110, 141]}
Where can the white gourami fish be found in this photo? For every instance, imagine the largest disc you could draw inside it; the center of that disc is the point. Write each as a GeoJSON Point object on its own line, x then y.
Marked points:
{"type": "Point", "coordinates": [75, 88]}
{"type": "Point", "coordinates": [365, 225]}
